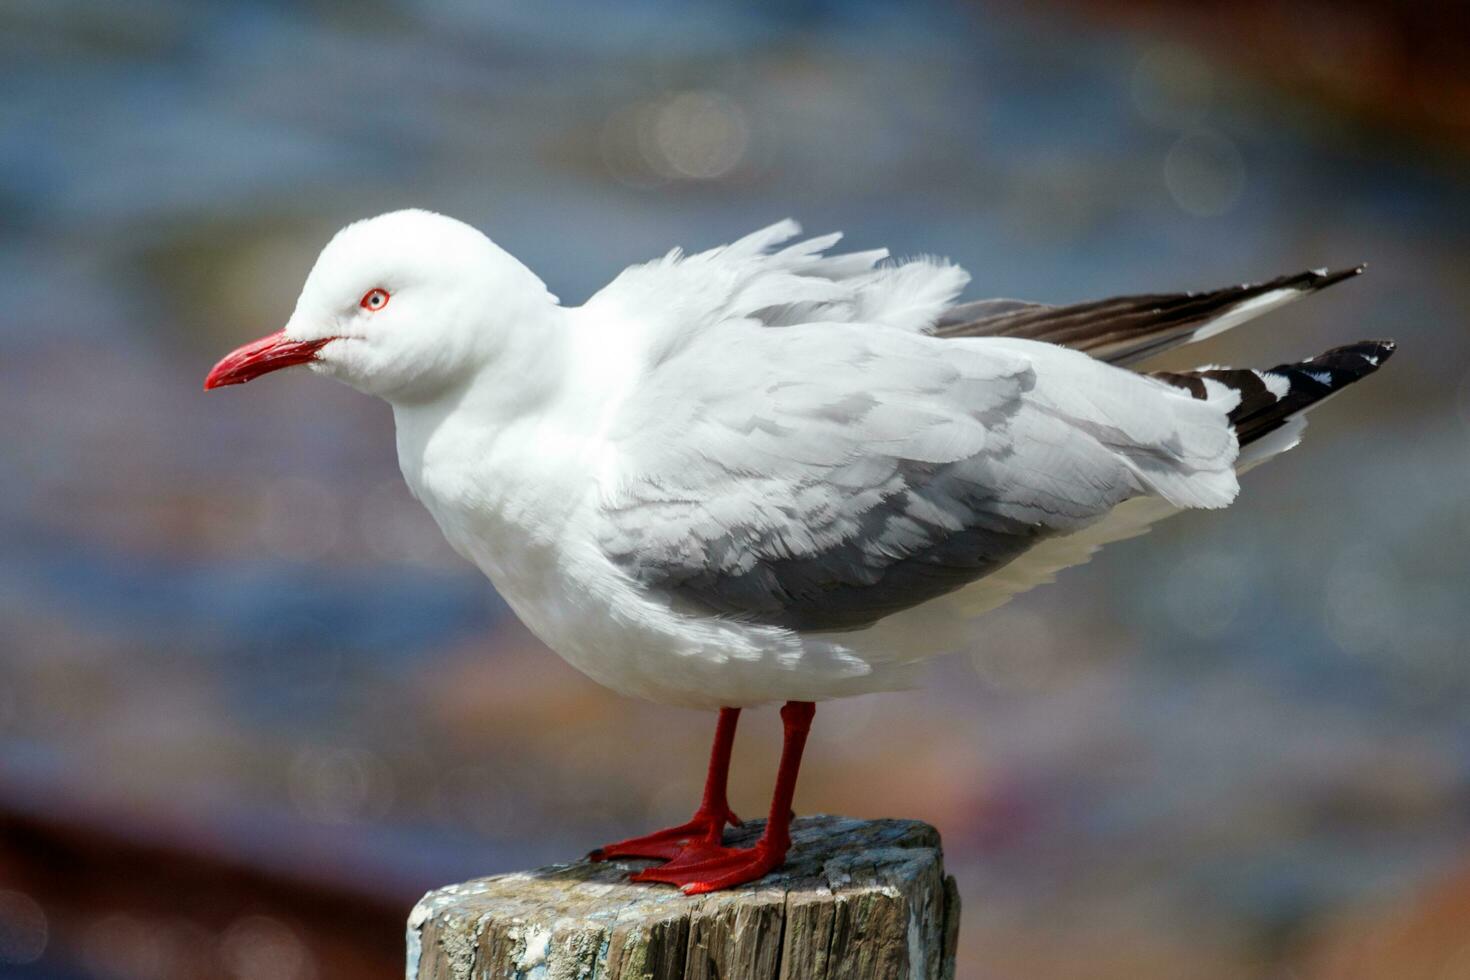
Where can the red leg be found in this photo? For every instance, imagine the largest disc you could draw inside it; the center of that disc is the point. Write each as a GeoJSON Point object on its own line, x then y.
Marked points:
{"type": "Point", "coordinates": [708, 823]}
{"type": "Point", "coordinates": [708, 869]}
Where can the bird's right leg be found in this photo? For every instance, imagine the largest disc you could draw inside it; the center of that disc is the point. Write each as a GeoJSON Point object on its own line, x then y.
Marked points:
{"type": "Point", "coordinates": [707, 826]}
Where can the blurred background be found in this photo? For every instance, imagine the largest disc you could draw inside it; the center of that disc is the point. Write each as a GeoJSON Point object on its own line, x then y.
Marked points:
{"type": "Point", "coordinates": [251, 706]}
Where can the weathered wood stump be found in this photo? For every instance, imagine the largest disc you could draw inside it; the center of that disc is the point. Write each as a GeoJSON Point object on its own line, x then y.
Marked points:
{"type": "Point", "coordinates": [857, 899]}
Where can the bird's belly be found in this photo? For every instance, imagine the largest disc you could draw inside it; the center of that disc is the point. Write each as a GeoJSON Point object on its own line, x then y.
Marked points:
{"type": "Point", "coordinates": [557, 597]}
{"type": "Point", "coordinates": [602, 623]}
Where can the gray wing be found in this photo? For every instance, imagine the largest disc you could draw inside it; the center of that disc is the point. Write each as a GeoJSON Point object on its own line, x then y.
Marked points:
{"type": "Point", "coordinates": [1128, 329]}
{"type": "Point", "coordinates": [820, 478]}
{"type": "Point", "coordinates": [930, 530]}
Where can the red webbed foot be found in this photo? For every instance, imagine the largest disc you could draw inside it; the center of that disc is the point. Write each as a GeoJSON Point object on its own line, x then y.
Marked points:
{"type": "Point", "coordinates": [702, 832]}
{"type": "Point", "coordinates": [708, 868]}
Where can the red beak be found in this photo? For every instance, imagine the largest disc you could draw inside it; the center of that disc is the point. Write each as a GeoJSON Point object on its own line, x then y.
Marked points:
{"type": "Point", "coordinates": [262, 357]}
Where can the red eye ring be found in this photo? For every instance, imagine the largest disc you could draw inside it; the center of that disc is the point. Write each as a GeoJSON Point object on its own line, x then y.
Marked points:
{"type": "Point", "coordinates": [374, 300]}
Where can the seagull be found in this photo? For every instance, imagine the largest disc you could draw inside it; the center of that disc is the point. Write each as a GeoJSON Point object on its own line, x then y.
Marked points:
{"type": "Point", "coordinates": [768, 472]}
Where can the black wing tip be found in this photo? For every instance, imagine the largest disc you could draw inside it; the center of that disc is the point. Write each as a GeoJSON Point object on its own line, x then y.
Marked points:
{"type": "Point", "coordinates": [1322, 278]}
{"type": "Point", "coordinates": [1353, 361]}
{"type": "Point", "coordinates": [1309, 382]}
{"type": "Point", "coordinates": [1314, 280]}
{"type": "Point", "coordinates": [1329, 372]}
{"type": "Point", "coordinates": [1307, 281]}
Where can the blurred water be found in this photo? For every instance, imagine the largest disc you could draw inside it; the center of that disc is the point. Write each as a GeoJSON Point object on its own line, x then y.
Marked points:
{"type": "Point", "coordinates": [1239, 726]}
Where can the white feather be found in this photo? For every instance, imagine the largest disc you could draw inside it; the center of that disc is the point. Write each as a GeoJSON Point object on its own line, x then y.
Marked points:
{"type": "Point", "coordinates": [713, 408]}
{"type": "Point", "coordinates": [1248, 310]}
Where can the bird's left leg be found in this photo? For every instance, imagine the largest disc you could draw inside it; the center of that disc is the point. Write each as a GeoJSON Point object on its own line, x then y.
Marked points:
{"type": "Point", "coordinates": [708, 869]}
{"type": "Point", "coordinates": [708, 823]}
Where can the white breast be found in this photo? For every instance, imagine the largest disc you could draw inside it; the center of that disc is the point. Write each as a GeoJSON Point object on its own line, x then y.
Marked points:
{"type": "Point", "coordinates": [518, 504]}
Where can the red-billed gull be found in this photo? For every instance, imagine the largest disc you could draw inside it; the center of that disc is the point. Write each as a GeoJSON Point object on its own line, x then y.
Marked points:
{"type": "Point", "coordinates": [769, 473]}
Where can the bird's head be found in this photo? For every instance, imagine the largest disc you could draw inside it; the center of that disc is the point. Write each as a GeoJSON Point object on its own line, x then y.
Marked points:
{"type": "Point", "coordinates": [403, 306]}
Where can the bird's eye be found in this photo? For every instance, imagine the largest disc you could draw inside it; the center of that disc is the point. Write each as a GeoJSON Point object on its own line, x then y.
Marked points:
{"type": "Point", "coordinates": [374, 299]}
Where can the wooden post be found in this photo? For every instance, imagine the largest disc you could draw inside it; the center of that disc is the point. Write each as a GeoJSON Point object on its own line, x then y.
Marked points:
{"type": "Point", "coordinates": [857, 899]}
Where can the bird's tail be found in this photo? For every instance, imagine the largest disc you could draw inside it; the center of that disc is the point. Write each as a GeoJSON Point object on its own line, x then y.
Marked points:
{"type": "Point", "coordinates": [1268, 413]}
{"type": "Point", "coordinates": [1268, 416]}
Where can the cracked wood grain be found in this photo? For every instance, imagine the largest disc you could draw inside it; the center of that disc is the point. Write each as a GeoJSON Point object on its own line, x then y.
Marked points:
{"type": "Point", "coordinates": [858, 899]}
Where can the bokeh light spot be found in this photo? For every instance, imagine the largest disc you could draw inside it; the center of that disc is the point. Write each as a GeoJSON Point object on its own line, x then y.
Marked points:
{"type": "Point", "coordinates": [1204, 174]}
{"type": "Point", "coordinates": [700, 135]}
{"type": "Point", "coordinates": [1206, 593]}
{"type": "Point", "coordinates": [339, 785]}
{"type": "Point", "coordinates": [261, 948]}
{"type": "Point", "coordinates": [23, 928]}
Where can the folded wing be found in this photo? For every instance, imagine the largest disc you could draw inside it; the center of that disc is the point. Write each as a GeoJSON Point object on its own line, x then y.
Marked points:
{"type": "Point", "coordinates": [822, 477]}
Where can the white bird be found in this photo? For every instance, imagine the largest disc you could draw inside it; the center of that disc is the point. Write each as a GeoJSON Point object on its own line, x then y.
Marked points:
{"type": "Point", "coordinates": [768, 473]}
